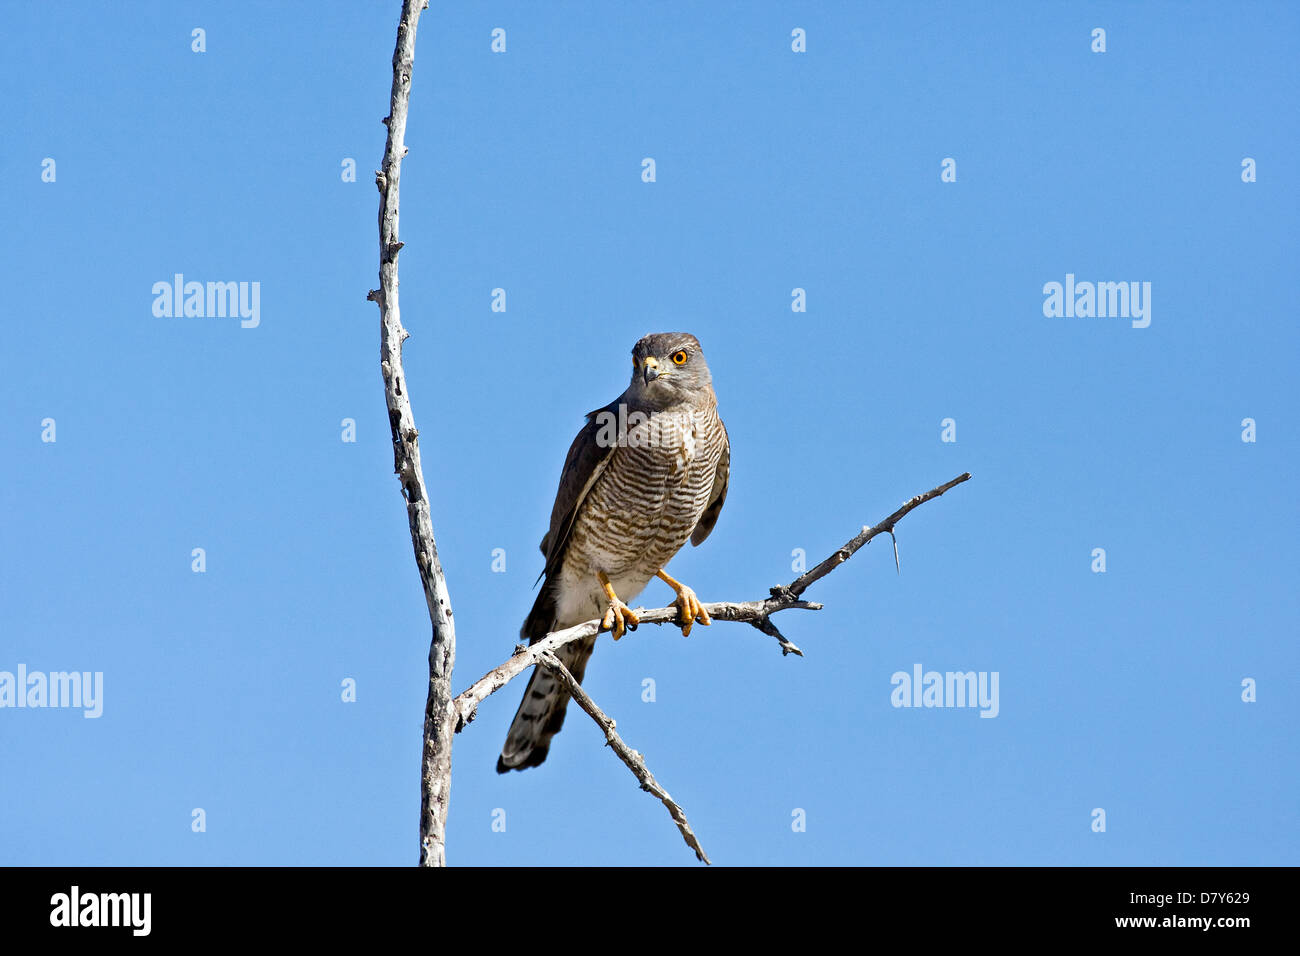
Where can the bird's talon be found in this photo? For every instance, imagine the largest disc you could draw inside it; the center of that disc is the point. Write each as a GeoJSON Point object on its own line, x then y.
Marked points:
{"type": "Point", "coordinates": [690, 610]}
{"type": "Point", "coordinates": [619, 619]}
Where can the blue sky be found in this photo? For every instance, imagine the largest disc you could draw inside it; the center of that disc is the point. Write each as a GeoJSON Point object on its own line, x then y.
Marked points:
{"type": "Point", "coordinates": [775, 170]}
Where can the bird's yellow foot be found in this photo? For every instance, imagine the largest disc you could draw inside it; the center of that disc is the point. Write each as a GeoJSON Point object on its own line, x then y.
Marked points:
{"type": "Point", "coordinates": [619, 618]}
{"type": "Point", "coordinates": [689, 608]}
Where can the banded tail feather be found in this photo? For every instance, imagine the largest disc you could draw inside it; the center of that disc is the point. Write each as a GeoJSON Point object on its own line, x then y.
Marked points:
{"type": "Point", "coordinates": [541, 712]}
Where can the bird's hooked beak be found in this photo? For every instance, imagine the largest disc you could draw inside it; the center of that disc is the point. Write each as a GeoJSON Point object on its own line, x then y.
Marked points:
{"type": "Point", "coordinates": [650, 370]}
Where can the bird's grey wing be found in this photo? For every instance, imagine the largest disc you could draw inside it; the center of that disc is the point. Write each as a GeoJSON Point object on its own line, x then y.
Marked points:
{"type": "Point", "coordinates": [720, 480]}
{"type": "Point", "coordinates": [583, 465]}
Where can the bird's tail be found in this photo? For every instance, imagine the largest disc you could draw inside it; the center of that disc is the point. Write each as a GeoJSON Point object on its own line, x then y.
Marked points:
{"type": "Point", "coordinates": [541, 712]}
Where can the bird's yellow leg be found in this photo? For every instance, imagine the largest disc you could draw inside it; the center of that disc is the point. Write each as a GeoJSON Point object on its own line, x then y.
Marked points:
{"type": "Point", "coordinates": [619, 618]}
{"type": "Point", "coordinates": [688, 605]}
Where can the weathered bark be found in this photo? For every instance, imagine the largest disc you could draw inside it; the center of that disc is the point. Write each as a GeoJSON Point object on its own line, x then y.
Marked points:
{"type": "Point", "coordinates": [439, 712]}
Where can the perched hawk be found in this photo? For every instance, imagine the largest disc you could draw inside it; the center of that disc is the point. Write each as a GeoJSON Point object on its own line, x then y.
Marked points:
{"type": "Point", "coordinates": [647, 471]}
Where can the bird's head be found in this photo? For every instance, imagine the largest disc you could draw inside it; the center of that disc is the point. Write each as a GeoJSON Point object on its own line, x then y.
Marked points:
{"type": "Point", "coordinates": [668, 368]}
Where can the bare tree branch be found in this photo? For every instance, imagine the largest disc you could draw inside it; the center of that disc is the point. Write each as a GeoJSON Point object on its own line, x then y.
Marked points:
{"type": "Point", "coordinates": [757, 613]}
{"type": "Point", "coordinates": [800, 584]}
{"type": "Point", "coordinates": [753, 612]}
{"type": "Point", "coordinates": [635, 762]}
{"type": "Point", "coordinates": [439, 723]}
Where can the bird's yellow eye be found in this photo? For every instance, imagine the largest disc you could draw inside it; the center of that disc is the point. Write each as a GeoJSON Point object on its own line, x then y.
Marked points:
{"type": "Point", "coordinates": [679, 357]}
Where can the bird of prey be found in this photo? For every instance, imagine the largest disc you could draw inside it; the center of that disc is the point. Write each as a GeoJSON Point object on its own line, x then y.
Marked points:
{"type": "Point", "coordinates": [646, 472]}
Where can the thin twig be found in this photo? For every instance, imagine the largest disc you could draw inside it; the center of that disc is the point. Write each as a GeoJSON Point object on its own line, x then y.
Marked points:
{"type": "Point", "coordinates": [439, 710]}
{"type": "Point", "coordinates": [800, 584]}
{"type": "Point", "coordinates": [635, 762]}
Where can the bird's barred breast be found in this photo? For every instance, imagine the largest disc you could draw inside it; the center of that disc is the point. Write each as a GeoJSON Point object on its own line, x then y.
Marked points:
{"type": "Point", "coordinates": [645, 505]}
